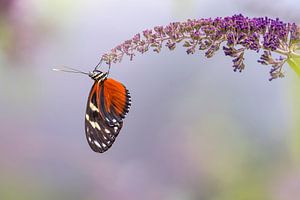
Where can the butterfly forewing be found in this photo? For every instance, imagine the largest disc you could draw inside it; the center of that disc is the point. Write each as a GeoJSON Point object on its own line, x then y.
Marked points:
{"type": "Point", "coordinates": [107, 105]}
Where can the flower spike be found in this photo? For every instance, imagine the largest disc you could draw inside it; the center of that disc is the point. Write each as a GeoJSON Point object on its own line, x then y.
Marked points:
{"type": "Point", "coordinates": [236, 33]}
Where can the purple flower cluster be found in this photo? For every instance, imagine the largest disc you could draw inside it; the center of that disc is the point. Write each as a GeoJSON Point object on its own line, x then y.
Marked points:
{"type": "Point", "coordinates": [238, 33]}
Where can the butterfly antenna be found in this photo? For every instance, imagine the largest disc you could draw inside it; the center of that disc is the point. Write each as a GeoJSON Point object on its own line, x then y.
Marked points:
{"type": "Point", "coordinates": [69, 69]}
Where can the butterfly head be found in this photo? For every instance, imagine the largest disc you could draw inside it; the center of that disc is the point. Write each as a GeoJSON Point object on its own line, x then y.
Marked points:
{"type": "Point", "coordinates": [98, 75]}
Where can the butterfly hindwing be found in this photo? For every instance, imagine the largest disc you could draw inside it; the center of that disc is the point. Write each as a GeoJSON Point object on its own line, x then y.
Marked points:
{"type": "Point", "coordinates": [107, 105]}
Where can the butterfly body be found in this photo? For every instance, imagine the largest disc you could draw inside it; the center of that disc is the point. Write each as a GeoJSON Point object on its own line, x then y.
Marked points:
{"type": "Point", "coordinates": [107, 105]}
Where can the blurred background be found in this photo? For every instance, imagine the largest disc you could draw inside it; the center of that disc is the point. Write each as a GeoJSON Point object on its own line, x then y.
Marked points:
{"type": "Point", "coordinates": [196, 130]}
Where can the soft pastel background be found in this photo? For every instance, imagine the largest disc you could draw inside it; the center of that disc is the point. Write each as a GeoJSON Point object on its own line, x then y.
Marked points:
{"type": "Point", "coordinates": [196, 129]}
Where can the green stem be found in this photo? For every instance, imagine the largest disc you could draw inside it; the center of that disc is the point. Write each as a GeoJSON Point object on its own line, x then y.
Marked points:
{"type": "Point", "coordinates": [295, 55]}
{"type": "Point", "coordinates": [294, 65]}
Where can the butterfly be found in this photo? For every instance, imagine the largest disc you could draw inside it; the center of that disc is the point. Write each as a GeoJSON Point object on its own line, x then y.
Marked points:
{"type": "Point", "coordinates": [107, 105]}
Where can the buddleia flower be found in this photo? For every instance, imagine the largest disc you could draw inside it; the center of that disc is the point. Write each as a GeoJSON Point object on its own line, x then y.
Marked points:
{"type": "Point", "coordinates": [277, 42]}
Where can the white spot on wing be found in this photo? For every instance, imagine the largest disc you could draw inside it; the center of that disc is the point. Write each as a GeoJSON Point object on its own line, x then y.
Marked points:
{"type": "Point", "coordinates": [115, 128]}
{"type": "Point", "coordinates": [95, 125]}
{"type": "Point", "coordinates": [93, 107]}
{"type": "Point", "coordinates": [90, 139]}
{"type": "Point", "coordinates": [106, 130]}
{"type": "Point", "coordinates": [97, 144]}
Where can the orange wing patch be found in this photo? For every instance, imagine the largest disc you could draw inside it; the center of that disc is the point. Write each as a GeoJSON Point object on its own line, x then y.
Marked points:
{"type": "Point", "coordinates": [116, 97]}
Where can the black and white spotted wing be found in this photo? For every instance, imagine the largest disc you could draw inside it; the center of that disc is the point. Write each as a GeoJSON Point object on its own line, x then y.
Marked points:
{"type": "Point", "coordinates": [107, 105]}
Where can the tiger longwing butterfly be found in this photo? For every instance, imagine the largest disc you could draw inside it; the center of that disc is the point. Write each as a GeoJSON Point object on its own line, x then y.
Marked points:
{"type": "Point", "coordinates": [108, 103]}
